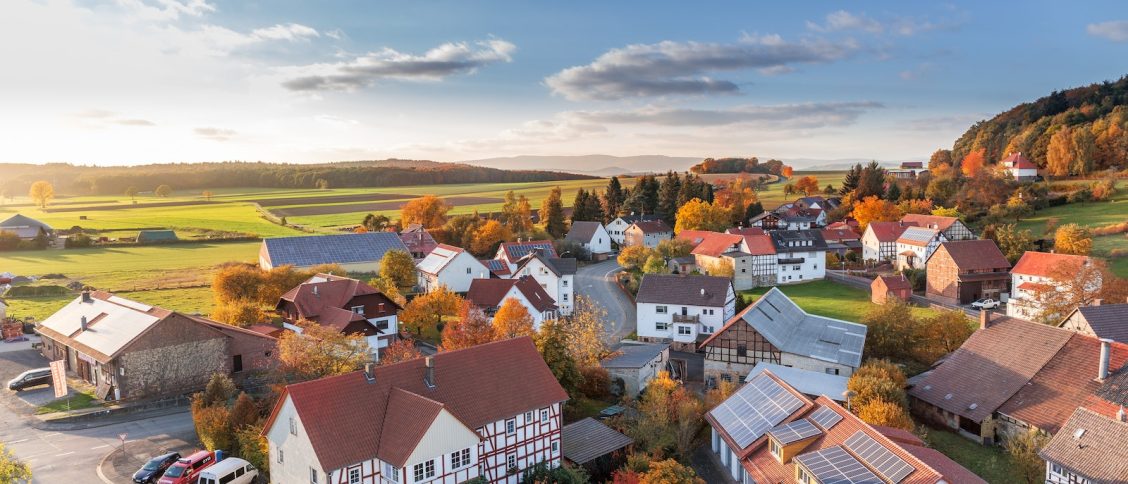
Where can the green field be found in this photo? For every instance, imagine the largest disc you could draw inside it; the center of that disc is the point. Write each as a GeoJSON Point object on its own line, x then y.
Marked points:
{"type": "Point", "coordinates": [826, 298]}
{"type": "Point", "coordinates": [1092, 214]}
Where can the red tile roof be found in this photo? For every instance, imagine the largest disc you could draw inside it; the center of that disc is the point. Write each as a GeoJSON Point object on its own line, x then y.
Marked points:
{"type": "Point", "coordinates": [418, 241]}
{"type": "Point", "coordinates": [714, 244]}
{"type": "Point", "coordinates": [952, 471]}
{"type": "Point", "coordinates": [975, 255]}
{"type": "Point", "coordinates": [327, 305]}
{"type": "Point", "coordinates": [745, 231]}
{"type": "Point", "coordinates": [694, 236]}
{"type": "Point", "coordinates": [1016, 160]}
{"type": "Point", "coordinates": [888, 231]}
{"type": "Point", "coordinates": [894, 283]}
{"type": "Point", "coordinates": [349, 419]}
{"type": "Point", "coordinates": [839, 234]}
{"type": "Point", "coordinates": [759, 244]}
{"type": "Point", "coordinates": [1045, 264]}
{"type": "Point", "coordinates": [931, 221]}
{"type": "Point", "coordinates": [491, 292]}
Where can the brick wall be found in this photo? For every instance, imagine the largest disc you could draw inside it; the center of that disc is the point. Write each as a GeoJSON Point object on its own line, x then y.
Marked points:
{"type": "Point", "coordinates": [178, 355]}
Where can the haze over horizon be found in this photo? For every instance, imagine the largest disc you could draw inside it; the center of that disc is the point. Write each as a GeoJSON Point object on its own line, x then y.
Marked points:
{"type": "Point", "coordinates": [119, 82]}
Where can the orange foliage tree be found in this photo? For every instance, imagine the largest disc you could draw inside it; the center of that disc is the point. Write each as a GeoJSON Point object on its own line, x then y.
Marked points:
{"type": "Point", "coordinates": [512, 320]}
{"type": "Point", "coordinates": [808, 185]}
{"type": "Point", "coordinates": [973, 162]}
{"type": "Point", "coordinates": [428, 210]}
{"type": "Point", "coordinates": [472, 329]}
{"type": "Point", "coordinates": [787, 171]}
{"type": "Point", "coordinates": [874, 209]}
{"type": "Point", "coordinates": [401, 350]}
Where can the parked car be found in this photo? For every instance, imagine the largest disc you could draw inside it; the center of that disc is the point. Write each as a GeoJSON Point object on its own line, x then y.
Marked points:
{"type": "Point", "coordinates": [30, 378]}
{"type": "Point", "coordinates": [985, 303]}
{"type": "Point", "coordinates": [186, 469]}
{"type": "Point", "coordinates": [231, 470]}
{"type": "Point", "coordinates": [152, 470]}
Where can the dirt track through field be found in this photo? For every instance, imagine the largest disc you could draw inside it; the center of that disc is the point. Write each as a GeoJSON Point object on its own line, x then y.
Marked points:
{"type": "Point", "coordinates": [361, 197]}
{"type": "Point", "coordinates": [372, 206]}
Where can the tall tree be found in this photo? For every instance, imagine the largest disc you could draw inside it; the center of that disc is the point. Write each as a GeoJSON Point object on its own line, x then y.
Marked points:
{"type": "Point", "coordinates": [871, 181]}
{"type": "Point", "coordinates": [613, 198]}
{"type": "Point", "coordinates": [973, 162]}
{"type": "Point", "coordinates": [552, 213]}
{"type": "Point", "coordinates": [512, 320]}
{"type": "Point", "coordinates": [668, 196]}
{"type": "Point", "coordinates": [524, 221]}
{"type": "Point", "coordinates": [552, 343]}
{"type": "Point", "coordinates": [873, 209]}
{"type": "Point", "coordinates": [754, 209]}
{"type": "Point", "coordinates": [1059, 152]}
{"type": "Point", "coordinates": [594, 208]}
{"type": "Point", "coordinates": [579, 206]}
{"type": "Point", "coordinates": [319, 351]}
{"type": "Point", "coordinates": [400, 351]}
{"type": "Point", "coordinates": [472, 328]}
{"type": "Point", "coordinates": [398, 267]}
{"type": "Point", "coordinates": [41, 193]}
{"type": "Point", "coordinates": [429, 310]}
{"type": "Point", "coordinates": [1073, 239]}
{"type": "Point", "coordinates": [375, 223]}
{"type": "Point", "coordinates": [940, 157]}
{"type": "Point", "coordinates": [488, 237]}
{"type": "Point", "coordinates": [699, 215]}
{"type": "Point", "coordinates": [429, 211]}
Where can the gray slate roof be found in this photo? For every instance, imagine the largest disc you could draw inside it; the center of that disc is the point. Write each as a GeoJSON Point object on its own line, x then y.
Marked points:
{"type": "Point", "coordinates": [1115, 387]}
{"type": "Point", "coordinates": [1107, 320]}
{"type": "Point", "coordinates": [634, 355]}
{"type": "Point", "coordinates": [582, 231]}
{"type": "Point", "coordinates": [560, 266]}
{"type": "Point", "coordinates": [18, 220]}
{"type": "Point", "coordinates": [795, 240]}
{"type": "Point", "coordinates": [684, 290]}
{"type": "Point", "coordinates": [311, 250]}
{"type": "Point", "coordinates": [1091, 445]}
{"type": "Point", "coordinates": [792, 330]}
{"type": "Point", "coordinates": [806, 381]}
{"type": "Point", "coordinates": [588, 439]}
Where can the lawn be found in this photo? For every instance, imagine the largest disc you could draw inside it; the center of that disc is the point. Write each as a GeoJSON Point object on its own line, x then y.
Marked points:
{"type": "Point", "coordinates": [989, 462]}
{"type": "Point", "coordinates": [1092, 214]}
{"type": "Point", "coordinates": [829, 299]}
{"type": "Point", "coordinates": [76, 401]}
{"type": "Point", "coordinates": [188, 300]}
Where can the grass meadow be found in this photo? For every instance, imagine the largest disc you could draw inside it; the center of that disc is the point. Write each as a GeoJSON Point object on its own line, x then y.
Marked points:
{"type": "Point", "coordinates": [1091, 214]}
{"type": "Point", "coordinates": [829, 299]}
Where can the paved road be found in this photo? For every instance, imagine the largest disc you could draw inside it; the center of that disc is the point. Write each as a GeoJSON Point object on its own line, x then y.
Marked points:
{"type": "Point", "coordinates": [596, 282]}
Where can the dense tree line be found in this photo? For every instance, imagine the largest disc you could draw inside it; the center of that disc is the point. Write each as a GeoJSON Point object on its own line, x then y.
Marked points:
{"type": "Point", "coordinates": [1076, 131]}
{"type": "Point", "coordinates": [738, 165]}
{"type": "Point", "coordinates": [195, 176]}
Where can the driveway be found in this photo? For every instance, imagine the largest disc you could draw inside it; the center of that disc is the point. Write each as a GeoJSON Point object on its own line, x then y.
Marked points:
{"type": "Point", "coordinates": [596, 282]}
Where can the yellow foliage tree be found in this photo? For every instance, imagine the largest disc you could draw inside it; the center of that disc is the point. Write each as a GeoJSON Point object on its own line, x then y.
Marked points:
{"type": "Point", "coordinates": [1059, 152]}
{"type": "Point", "coordinates": [699, 215]}
{"type": "Point", "coordinates": [319, 351]}
{"type": "Point", "coordinates": [873, 209]}
{"type": "Point", "coordinates": [428, 210]}
{"type": "Point", "coordinates": [41, 193]}
{"type": "Point", "coordinates": [398, 267]}
{"type": "Point", "coordinates": [670, 471]}
{"type": "Point", "coordinates": [487, 238]}
{"type": "Point", "coordinates": [633, 257]}
{"type": "Point", "coordinates": [885, 413]}
{"type": "Point", "coordinates": [1073, 239]}
{"type": "Point", "coordinates": [429, 310]}
{"type": "Point", "coordinates": [512, 320]}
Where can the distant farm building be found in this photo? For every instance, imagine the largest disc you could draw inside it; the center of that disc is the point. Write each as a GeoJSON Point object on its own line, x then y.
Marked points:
{"type": "Point", "coordinates": [26, 228]}
{"type": "Point", "coordinates": [156, 237]}
{"type": "Point", "coordinates": [353, 252]}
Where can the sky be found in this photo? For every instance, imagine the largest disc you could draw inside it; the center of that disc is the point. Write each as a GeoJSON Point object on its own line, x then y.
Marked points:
{"type": "Point", "coordinates": [120, 82]}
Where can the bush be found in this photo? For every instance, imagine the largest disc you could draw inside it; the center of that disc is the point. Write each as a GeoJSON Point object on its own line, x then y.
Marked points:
{"type": "Point", "coordinates": [9, 241]}
{"type": "Point", "coordinates": [885, 413]}
{"type": "Point", "coordinates": [597, 383]}
{"type": "Point", "coordinates": [1081, 196]}
{"type": "Point", "coordinates": [1110, 229]}
{"type": "Point", "coordinates": [541, 474]}
{"type": "Point", "coordinates": [868, 388]}
{"type": "Point", "coordinates": [239, 313]}
{"type": "Point", "coordinates": [78, 241]}
{"type": "Point", "coordinates": [37, 291]}
{"type": "Point", "coordinates": [212, 425]}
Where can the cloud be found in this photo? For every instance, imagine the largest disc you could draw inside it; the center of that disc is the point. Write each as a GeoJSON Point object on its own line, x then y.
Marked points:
{"type": "Point", "coordinates": [942, 123]}
{"type": "Point", "coordinates": [336, 34]}
{"type": "Point", "coordinates": [917, 72]}
{"type": "Point", "coordinates": [680, 68]}
{"type": "Point", "coordinates": [102, 118]}
{"type": "Point", "coordinates": [134, 122]}
{"type": "Point", "coordinates": [769, 117]}
{"type": "Point", "coordinates": [443, 61]}
{"type": "Point", "coordinates": [166, 9]}
{"type": "Point", "coordinates": [1114, 30]}
{"type": "Point", "coordinates": [215, 134]}
{"type": "Point", "coordinates": [843, 20]}
{"type": "Point", "coordinates": [291, 32]}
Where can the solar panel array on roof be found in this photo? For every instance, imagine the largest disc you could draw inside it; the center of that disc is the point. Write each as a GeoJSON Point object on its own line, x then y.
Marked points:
{"type": "Point", "coordinates": [878, 457]}
{"type": "Point", "coordinates": [311, 250]}
{"type": "Point", "coordinates": [833, 465]}
{"type": "Point", "coordinates": [825, 417]}
{"type": "Point", "coordinates": [758, 406]}
{"type": "Point", "coordinates": [801, 429]}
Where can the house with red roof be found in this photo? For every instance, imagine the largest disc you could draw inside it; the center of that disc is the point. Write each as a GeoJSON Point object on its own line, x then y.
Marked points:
{"type": "Point", "coordinates": [449, 266]}
{"type": "Point", "coordinates": [767, 431]}
{"type": "Point", "coordinates": [489, 411]}
{"type": "Point", "coordinates": [1037, 273]}
{"type": "Point", "coordinates": [751, 256]}
{"type": "Point", "coordinates": [1019, 167]}
{"type": "Point", "coordinates": [951, 227]}
{"type": "Point", "coordinates": [347, 305]}
{"type": "Point", "coordinates": [879, 241]}
{"type": "Point", "coordinates": [554, 274]}
{"type": "Point", "coordinates": [490, 294]}
{"type": "Point", "coordinates": [964, 271]}
{"type": "Point", "coordinates": [884, 287]}
{"type": "Point", "coordinates": [418, 241]}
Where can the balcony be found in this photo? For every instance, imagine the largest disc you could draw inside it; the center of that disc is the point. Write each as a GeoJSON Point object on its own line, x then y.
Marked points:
{"type": "Point", "coordinates": [689, 319]}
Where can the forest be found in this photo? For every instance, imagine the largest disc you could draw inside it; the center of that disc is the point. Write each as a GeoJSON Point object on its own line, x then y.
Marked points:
{"type": "Point", "coordinates": [115, 180]}
{"type": "Point", "coordinates": [738, 165]}
{"type": "Point", "coordinates": [1073, 132]}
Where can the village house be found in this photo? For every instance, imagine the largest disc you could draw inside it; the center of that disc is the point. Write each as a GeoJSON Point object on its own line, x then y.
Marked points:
{"type": "Point", "coordinates": [790, 218]}
{"type": "Point", "coordinates": [908, 170]}
{"type": "Point", "coordinates": [810, 383]}
{"type": "Point", "coordinates": [818, 203]}
{"type": "Point", "coordinates": [800, 255]}
{"type": "Point", "coordinates": [355, 253]}
{"type": "Point", "coordinates": [451, 267]}
{"type": "Point", "coordinates": [768, 431]}
{"type": "Point", "coordinates": [592, 236]}
{"type": "Point", "coordinates": [680, 309]}
{"type": "Point", "coordinates": [617, 229]}
{"type": "Point", "coordinates": [1013, 375]}
{"type": "Point", "coordinates": [1019, 167]}
{"type": "Point", "coordinates": [347, 305]}
{"type": "Point", "coordinates": [594, 447]}
{"type": "Point", "coordinates": [26, 228]}
{"type": "Point", "coordinates": [842, 240]}
{"type": "Point", "coordinates": [130, 350]}
{"type": "Point", "coordinates": [915, 246]}
{"type": "Point", "coordinates": [776, 330]}
{"type": "Point", "coordinates": [1089, 448]}
{"type": "Point", "coordinates": [885, 287]}
{"type": "Point", "coordinates": [1099, 320]}
{"type": "Point", "coordinates": [512, 252]}
{"type": "Point", "coordinates": [951, 227]}
{"type": "Point", "coordinates": [1037, 273]}
{"type": "Point", "coordinates": [647, 233]}
{"type": "Point", "coordinates": [489, 411]}
{"type": "Point", "coordinates": [555, 274]}
{"type": "Point", "coordinates": [489, 294]}
{"type": "Point", "coordinates": [418, 241]}
{"type": "Point", "coordinates": [635, 364]}
{"type": "Point", "coordinates": [682, 265]}
{"type": "Point", "coordinates": [750, 258]}
{"type": "Point", "coordinates": [964, 271]}
{"type": "Point", "coordinates": [879, 241]}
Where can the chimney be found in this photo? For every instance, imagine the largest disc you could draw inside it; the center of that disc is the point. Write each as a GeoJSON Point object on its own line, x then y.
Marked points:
{"type": "Point", "coordinates": [315, 291]}
{"type": "Point", "coordinates": [368, 372]}
{"type": "Point", "coordinates": [86, 297]}
{"type": "Point", "coordinates": [1096, 302]}
{"type": "Point", "coordinates": [984, 319]}
{"type": "Point", "coordinates": [1102, 371]}
{"type": "Point", "coordinates": [429, 371]}
{"type": "Point", "coordinates": [1120, 415]}
{"type": "Point", "coordinates": [84, 324]}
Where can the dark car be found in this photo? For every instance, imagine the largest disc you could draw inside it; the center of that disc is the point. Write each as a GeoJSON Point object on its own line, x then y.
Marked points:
{"type": "Point", "coordinates": [154, 468]}
{"type": "Point", "coordinates": [30, 378]}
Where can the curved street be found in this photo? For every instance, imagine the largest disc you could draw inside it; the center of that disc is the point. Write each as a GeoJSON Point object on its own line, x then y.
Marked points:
{"type": "Point", "coordinates": [596, 282]}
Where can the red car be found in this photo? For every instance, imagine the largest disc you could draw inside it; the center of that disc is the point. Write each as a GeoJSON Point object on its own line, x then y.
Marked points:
{"type": "Point", "coordinates": [185, 470]}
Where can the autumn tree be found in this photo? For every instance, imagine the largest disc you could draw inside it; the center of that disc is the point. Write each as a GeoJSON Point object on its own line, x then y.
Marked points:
{"type": "Point", "coordinates": [163, 191]}
{"type": "Point", "coordinates": [253, 447]}
{"type": "Point", "coordinates": [400, 351]}
{"type": "Point", "coordinates": [633, 257]}
{"type": "Point", "coordinates": [472, 328]}
{"type": "Point", "coordinates": [700, 215]}
{"type": "Point", "coordinates": [719, 269]}
{"type": "Point", "coordinates": [808, 185]}
{"type": "Point", "coordinates": [429, 211]}
{"type": "Point", "coordinates": [375, 223]}
{"type": "Point", "coordinates": [131, 192]}
{"type": "Point", "coordinates": [670, 471]}
{"type": "Point", "coordinates": [885, 413]}
{"type": "Point", "coordinates": [207, 194]}
{"type": "Point", "coordinates": [674, 248]}
{"type": "Point", "coordinates": [398, 267]}
{"type": "Point", "coordinates": [1023, 450]}
{"type": "Point", "coordinates": [488, 237]}
{"type": "Point", "coordinates": [516, 213]}
{"type": "Point", "coordinates": [787, 172]}
{"type": "Point", "coordinates": [655, 264]}
{"type": "Point", "coordinates": [973, 162]}
{"type": "Point", "coordinates": [947, 212]}
{"type": "Point", "coordinates": [1059, 152]}
{"type": "Point", "coordinates": [1075, 284]}
{"type": "Point", "coordinates": [428, 310]}
{"type": "Point", "coordinates": [41, 193]}
{"type": "Point", "coordinates": [244, 412]}
{"type": "Point", "coordinates": [891, 330]}
{"type": "Point", "coordinates": [1073, 239]}
{"type": "Point", "coordinates": [552, 343]}
{"type": "Point", "coordinates": [12, 469]}
{"type": "Point", "coordinates": [941, 334]}
{"type": "Point", "coordinates": [586, 332]}
{"type": "Point", "coordinates": [552, 213]}
{"type": "Point", "coordinates": [512, 320]}
{"type": "Point", "coordinates": [1011, 241]}
{"type": "Point", "coordinates": [873, 209]}
{"type": "Point", "coordinates": [319, 351]}
{"type": "Point", "coordinates": [241, 313]}
{"type": "Point", "coordinates": [938, 158]}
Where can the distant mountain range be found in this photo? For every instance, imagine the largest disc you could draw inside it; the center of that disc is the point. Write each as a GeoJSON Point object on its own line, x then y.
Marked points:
{"type": "Point", "coordinates": [608, 165]}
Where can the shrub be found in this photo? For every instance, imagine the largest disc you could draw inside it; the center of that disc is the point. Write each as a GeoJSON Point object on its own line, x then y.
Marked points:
{"type": "Point", "coordinates": [212, 426]}
{"type": "Point", "coordinates": [9, 241]}
{"type": "Point", "coordinates": [78, 241]}
{"type": "Point", "coordinates": [885, 413]}
{"type": "Point", "coordinates": [1110, 229]}
{"type": "Point", "coordinates": [238, 313]}
{"type": "Point", "coordinates": [868, 388]}
{"type": "Point", "coordinates": [596, 382]}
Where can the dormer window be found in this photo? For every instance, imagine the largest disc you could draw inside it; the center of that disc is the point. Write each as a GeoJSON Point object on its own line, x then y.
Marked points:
{"type": "Point", "coordinates": [775, 449]}
{"type": "Point", "coordinates": [358, 309]}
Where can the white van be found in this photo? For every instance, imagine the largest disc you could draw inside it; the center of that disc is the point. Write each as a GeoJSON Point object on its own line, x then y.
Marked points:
{"type": "Point", "coordinates": [231, 470]}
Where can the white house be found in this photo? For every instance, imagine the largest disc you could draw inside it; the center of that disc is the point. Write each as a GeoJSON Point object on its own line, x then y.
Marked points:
{"type": "Point", "coordinates": [1019, 167]}
{"type": "Point", "coordinates": [490, 294]}
{"type": "Point", "coordinates": [449, 266]}
{"type": "Point", "coordinates": [952, 228]}
{"type": "Point", "coordinates": [347, 305]}
{"type": "Point", "coordinates": [511, 252]}
{"type": "Point", "coordinates": [617, 228]}
{"type": "Point", "coordinates": [879, 242]}
{"type": "Point", "coordinates": [915, 246]}
{"type": "Point", "coordinates": [591, 235]}
{"type": "Point", "coordinates": [752, 258]}
{"type": "Point", "coordinates": [800, 255]}
{"type": "Point", "coordinates": [678, 309]}
{"type": "Point", "coordinates": [489, 411]}
{"type": "Point", "coordinates": [1038, 272]}
{"type": "Point", "coordinates": [647, 233]}
{"type": "Point", "coordinates": [554, 274]}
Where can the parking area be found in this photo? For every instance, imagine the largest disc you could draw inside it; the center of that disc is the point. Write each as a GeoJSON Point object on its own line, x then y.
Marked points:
{"type": "Point", "coordinates": [15, 358]}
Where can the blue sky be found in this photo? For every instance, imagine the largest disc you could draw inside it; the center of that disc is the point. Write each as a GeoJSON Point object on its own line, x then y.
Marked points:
{"type": "Point", "coordinates": [133, 81]}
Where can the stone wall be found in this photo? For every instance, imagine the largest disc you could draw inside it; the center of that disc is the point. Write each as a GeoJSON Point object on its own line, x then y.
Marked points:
{"type": "Point", "coordinates": [178, 355]}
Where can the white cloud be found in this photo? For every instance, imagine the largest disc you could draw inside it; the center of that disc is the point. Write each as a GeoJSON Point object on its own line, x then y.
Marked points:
{"type": "Point", "coordinates": [843, 20]}
{"type": "Point", "coordinates": [682, 68]}
{"type": "Point", "coordinates": [165, 9]}
{"type": "Point", "coordinates": [762, 117]}
{"type": "Point", "coordinates": [103, 118]}
{"type": "Point", "coordinates": [291, 32]}
{"type": "Point", "coordinates": [1114, 30]}
{"type": "Point", "coordinates": [445, 60]}
{"type": "Point", "coordinates": [215, 134]}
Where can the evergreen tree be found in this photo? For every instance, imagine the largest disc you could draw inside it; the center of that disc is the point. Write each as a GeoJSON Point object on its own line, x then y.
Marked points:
{"type": "Point", "coordinates": [668, 196]}
{"type": "Point", "coordinates": [593, 209]}
{"type": "Point", "coordinates": [649, 194]}
{"type": "Point", "coordinates": [894, 192]}
{"type": "Point", "coordinates": [552, 214]}
{"type": "Point", "coordinates": [579, 206]}
{"type": "Point", "coordinates": [613, 198]}
{"type": "Point", "coordinates": [754, 209]}
{"type": "Point", "coordinates": [871, 182]}
{"type": "Point", "coordinates": [850, 183]}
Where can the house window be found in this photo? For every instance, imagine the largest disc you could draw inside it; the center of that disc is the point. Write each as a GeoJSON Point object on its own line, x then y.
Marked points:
{"type": "Point", "coordinates": [280, 456]}
{"type": "Point", "coordinates": [358, 309]}
{"type": "Point", "coordinates": [662, 326]}
{"type": "Point", "coordinates": [727, 377]}
{"type": "Point", "coordinates": [685, 330]}
{"type": "Point", "coordinates": [796, 268]}
{"type": "Point", "coordinates": [511, 426]}
{"type": "Point", "coordinates": [468, 270]}
{"type": "Point", "coordinates": [544, 415]}
{"type": "Point", "coordinates": [774, 447]}
{"type": "Point", "coordinates": [528, 417]}
{"type": "Point", "coordinates": [312, 476]}
{"type": "Point", "coordinates": [803, 476]}
{"type": "Point", "coordinates": [293, 426]}
{"type": "Point", "coordinates": [460, 459]}
{"type": "Point", "coordinates": [1056, 469]}
{"type": "Point", "coordinates": [565, 296]}
{"type": "Point", "coordinates": [565, 282]}
{"type": "Point", "coordinates": [741, 350]}
{"type": "Point", "coordinates": [660, 309]}
{"type": "Point", "coordinates": [236, 363]}
{"type": "Point", "coordinates": [354, 476]}
{"type": "Point", "coordinates": [424, 470]}
{"type": "Point", "coordinates": [832, 371]}
{"type": "Point", "coordinates": [555, 446]}
{"type": "Point", "coordinates": [511, 462]}
{"type": "Point", "coordinates": [391, 472]}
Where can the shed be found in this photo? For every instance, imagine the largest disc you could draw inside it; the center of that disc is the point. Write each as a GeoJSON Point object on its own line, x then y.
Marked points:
{"type": "Point", "coordinates": [885, 286]}
{"type": "Point", "coordinates": [637, 364]}
{"type": "Point", "coordinates": [156, 237]}
{"type": "Point", "coordinates": [592, 445]}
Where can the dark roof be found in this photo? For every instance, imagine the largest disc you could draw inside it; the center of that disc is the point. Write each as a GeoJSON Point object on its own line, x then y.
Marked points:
{"type": "Point", "coordinates": [348, 418]}
{"type": "Point", "coordinates": [149, 236]}
{"type": "Point", "coordinates": [491, 292]}
{"type": "Point", "coordinates": [1091, 445]}
{"type": "Point", "coordinates": [783, 240]}
{"type": "Point", "coordinates": [634, 355]}
{"type": "Point", "coordinates": [18, 220]}
{"type": "Point", "coordinates": [312, 250]}
{"type": "Point", "coordinates": [496, 266]}
{"type": "Point", "coordinates": [653, 226]}
{"type": "Point", "coordinates": [559, 266]}
{"type": "Point", "coordinates": [323, 297]}
{"type": "Point", "coordinates": [685, 290]}
{"type": "Point", "coordinates": [975, 255]}
{"type": "Point", "coordinates": [588, 439]}
{"type": "Point", "coordinates": [583, 231]}
{"type": "Point", "coordinates": [1107, 320]}
{"type": "Point", "coordinates": [1115, 387]}
{"type": "Point", "coordinates": [632, 218]}
{"type": "Point", "coordinates": [516, 250]}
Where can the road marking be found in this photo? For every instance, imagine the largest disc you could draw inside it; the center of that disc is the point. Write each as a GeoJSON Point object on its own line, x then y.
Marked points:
{"type": "Point", "coordinates": [64, 453]}
{"type": "Point", "coordinates": [100, 447]}
{"type": "Point", "coordinates": [18, 441]}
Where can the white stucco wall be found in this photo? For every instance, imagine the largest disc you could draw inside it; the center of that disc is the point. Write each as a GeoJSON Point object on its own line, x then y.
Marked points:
{"type": "Point", "coordinates": [297, 452]}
